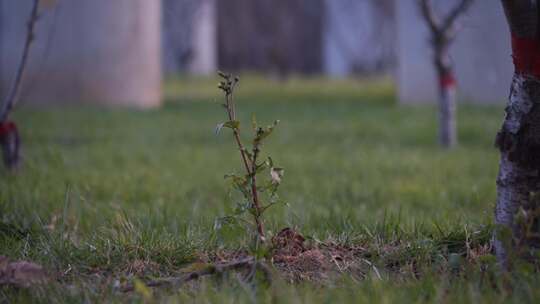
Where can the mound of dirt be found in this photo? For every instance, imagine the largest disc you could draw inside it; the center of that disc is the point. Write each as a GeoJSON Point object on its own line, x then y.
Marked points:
{"type": "Point", "coordinates": [299, 261]}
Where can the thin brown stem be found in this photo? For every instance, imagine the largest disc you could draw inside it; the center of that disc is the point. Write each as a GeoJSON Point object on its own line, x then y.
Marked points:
{"type": "Point", "coordinates": [249, 164]}
{"type": "Point", "coordinates": [236, 133]}
{"type": "Point", "coordinates": [255, 194]}
{"type": "Point", "coordinates": [13, 94]}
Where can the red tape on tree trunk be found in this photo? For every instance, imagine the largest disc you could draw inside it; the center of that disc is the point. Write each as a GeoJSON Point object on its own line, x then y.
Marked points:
{"type": "Point", "coordinates": [526, 55]}
{"type": "Point", "coordinates": [447, 81]}
{"type": "Point", "coordinates": [6, 128]}
{"type": "Point", "coordinates": [9, 144]}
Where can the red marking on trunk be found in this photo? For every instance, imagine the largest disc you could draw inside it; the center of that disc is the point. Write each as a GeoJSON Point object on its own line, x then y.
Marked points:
{"type": "Point", "coordinates": [526, 55]}
{"type": "Point", "coordinates": [6, 128]}
{"type": "Point", "coordinates": [447, 81]}
{"type": "Point", "coordinates": [9, 144]}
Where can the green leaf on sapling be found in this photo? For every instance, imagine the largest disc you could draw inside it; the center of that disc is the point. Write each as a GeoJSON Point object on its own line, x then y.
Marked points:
{"type": "Point", "coordinates": [231, 124]}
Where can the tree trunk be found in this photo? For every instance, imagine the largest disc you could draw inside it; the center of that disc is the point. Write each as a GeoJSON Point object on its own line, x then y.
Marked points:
{"type": "Point", "coordinates": [447, 111]}
{"type": "Point", "coordinates": [443, 33]}
{"type": "Point", "coordinates": [447, 99]}
{"type": "Point", "coordinates": [519, 138]}
{"type": "Point", "coordinates": [519, 172]}
{"type": "Point", "coordinates": [10, 143]}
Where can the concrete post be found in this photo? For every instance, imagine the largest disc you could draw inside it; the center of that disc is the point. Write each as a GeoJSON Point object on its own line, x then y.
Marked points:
{"type": "Point", "coordinates": [97, 51]}
{"type": "Point", "coordinates": [204, 39]}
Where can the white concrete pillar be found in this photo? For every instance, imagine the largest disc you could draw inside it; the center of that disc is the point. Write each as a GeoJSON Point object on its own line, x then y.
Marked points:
{"type": "Point", "coordinates": [204, 39]}
{"type": "Point", "coordinates": [97, 51]}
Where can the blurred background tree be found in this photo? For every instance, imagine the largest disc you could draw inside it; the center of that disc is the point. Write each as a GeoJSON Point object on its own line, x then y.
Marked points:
{"type": "Point", "coordinates": [118, 60]}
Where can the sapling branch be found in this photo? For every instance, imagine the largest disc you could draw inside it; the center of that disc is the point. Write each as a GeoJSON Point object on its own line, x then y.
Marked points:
{"type": "Point", "coordinates": [254, 193]}
{"type": "Point", "coordinates": [254, 197]}
{"type": "Point", "coordinates": [231, 112]}
{"type": "Point", "coordinates": [250, 162]}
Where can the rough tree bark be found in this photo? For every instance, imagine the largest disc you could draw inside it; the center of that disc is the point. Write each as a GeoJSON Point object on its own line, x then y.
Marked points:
{"type": "Point", "coordinates": [519, 137]}
{"type": "Point", "coordinates": [443, 33]}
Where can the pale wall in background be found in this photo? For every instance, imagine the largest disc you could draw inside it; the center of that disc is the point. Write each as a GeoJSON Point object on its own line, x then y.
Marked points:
{"type": "Point", "coordinates": [204, 40]}
{"type": "Point", "coordinates": [97, 51]}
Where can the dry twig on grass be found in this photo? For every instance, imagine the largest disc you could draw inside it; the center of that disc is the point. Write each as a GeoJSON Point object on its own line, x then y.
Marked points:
{"type": "Point", "coordinates": [212, 269]}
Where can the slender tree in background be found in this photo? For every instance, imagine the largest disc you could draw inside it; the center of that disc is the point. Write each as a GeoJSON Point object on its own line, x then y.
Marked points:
{"type": "Point", "coordinates": [178, 30]}
{"type": "Point", "coordinates": [362, 33]}
{"type": "Point", "coordinates": [518, 184]}
{"type": "Point", "coordinates": [9, 136]}
{"type": "Point", "coordinates": [443, 32]}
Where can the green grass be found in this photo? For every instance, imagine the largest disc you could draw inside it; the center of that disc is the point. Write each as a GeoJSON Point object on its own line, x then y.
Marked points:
{"type": "Point", "coordinates": [102, 188]}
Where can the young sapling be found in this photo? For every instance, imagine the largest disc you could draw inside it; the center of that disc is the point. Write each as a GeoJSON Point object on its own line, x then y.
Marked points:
{"type": "Point", "coordinates": [257, 197]}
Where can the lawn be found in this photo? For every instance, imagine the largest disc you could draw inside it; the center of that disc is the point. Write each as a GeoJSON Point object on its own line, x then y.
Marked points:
{"type": "Point", "coordinates": [107, 196]}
